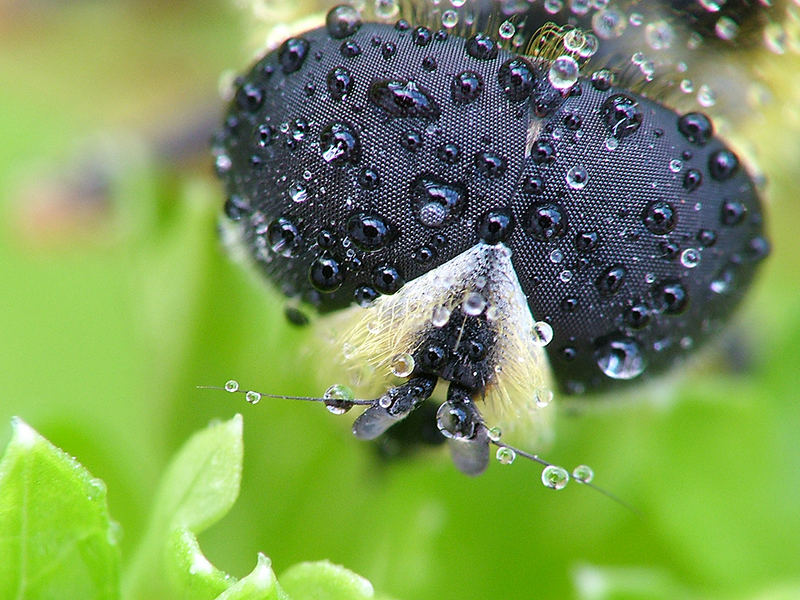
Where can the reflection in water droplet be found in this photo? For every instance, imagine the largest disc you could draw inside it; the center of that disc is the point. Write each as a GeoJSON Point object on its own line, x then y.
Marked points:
{"type": "Point", "coordinates": [583, 473]}
{"type": "Point", "coordinates": [338, 399]}
{"type": "Point", "coordinates": [252, 397]}
{"type": "Point", "coordinates": [505, 456]}
{"type": "Point", "coordinates": [563, 72]}
{"type": "Point", "coordinates": [231, 385]}
{"type": "Point", "coordinates": [542, 333]}
{"type": "Point", "coordinates": [577, 177]}
{"type": "Point", "coordinates": [473, 304]}
{"type": "Point", "coordinates": [554, 477]}
{"type": "Point", "coordinates": [402, 365]}
{"type": "Point", "coordinates": [440, 316]}
{"type": "Point", "coordinates": [621, 358]}
{"type": "Point", "coordinates": [690, 258]}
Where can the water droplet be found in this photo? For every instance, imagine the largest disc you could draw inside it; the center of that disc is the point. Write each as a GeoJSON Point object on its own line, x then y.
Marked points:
{"type": "Point", "coordinates": [723, 282]}
{"type": "Point", "coordinates": [490, 165]}
{"type": "Point", "coordinates": [440, 316]}
{"type": "Point", "coordinates": [283, 237]}
{"type": "Point", "coordinates": [671, 297]}
{"type": "Point", "coordinates": [583, 474]}
{"type": "Point", "coordinates": [660, 217]}
{"type": "Point", "coordinates": [543, 397]}
{"type": "Point", "coordinates": [637, 316]}
{"type": "Point", "coordinates": [696, 128]}
{"type": "Point", "coordinates": [404, 99]}
{"type": "Point", "coordinates": [231, 386]}
{"type": "Point", "coordinates": [611, 143]}
{"type": "Point", "coordinates": [250, 97]}
{"type": "Point", "coordinates": [369, 232]}
{"type": "Point", "coordinates": [494, 434]}
{"type": "Point", "coordinates": [454, 422]}
{"type": "Point", "coordinates": [505, 455]}
{"type": "Point", "coordinates": [542, 333]}
{"type": "Point", "coordinates": [466, 87]}
{"type": "Point", "coordinates": [690, 258]}
{"type": "Point", "coordinates": [733, 213]}
{"type": "Point", "coordinates": [387, 279]}
{"type": "Point", "coordinates": [292, 54]}
{"type": "Point", "coordinates": [449, 19]}
{"type": "Point", "coordinates": [517, 79]}
{"type": "Point", "coordinates": [338, 399]}
{"type": "Point", "coordinates": [726, 28]}
{"type": "Point", "coordinates": [621, 358]}
{"type": "Point", "coordinates": [325, 274]}
{"type": "Point", "coordinates": [692, 180]}
{"type": "Point", "coordinates": [574, 40]}
{"type": "Point", "coordinates": [609, 23]}
{"type": "Point", "coordinates": [565, 276]}
{"type": "Point", "coordinates": [402, 365]}
{"type": "Point", "coordinates": [554, 477]}
{"type": "Point", "coordinates": [706, 96]}
{"type": "Point", "coordinates": [252, 397]}
{"type": "Point", "coordinates": [556, 256]}
{"type": "Point", "coordinates": [342, 21]}
{"type": "Point", "coordinates": [297, 192]}
{"type": "Point", "coordinates": [723, 164]}
{"type": "Point", "coordinates": [435, 201]}
{"type": "Point", "coordinates": [481, 47]}
{"type": "Point", "coordinates": [659, 35]}
{"type": "Point", "coordinates": [422, 36]}
{"type": "Point", "coordinates": [338, 143]}
{"type": "Point", "coordinates": [339, 82]}
{"type": "Point", "coordinates": [621, 115]}
{"type": "Point", "coordinates": [564, 72]}
{"type": "Point", "coordinates": [473, 304]}
{"type": "Point", "coordinates": [386, 9]}
{"type": "Point", "coordinates": [545, 221]}
{"type": "Point", "coordinates": [496, 226]}
{"type": "Point", "coordinates": [223, 163]}
{"type": "Point", "coordinates": [577, 177]}
{"type": "Point", "coordinates": [610, 281]}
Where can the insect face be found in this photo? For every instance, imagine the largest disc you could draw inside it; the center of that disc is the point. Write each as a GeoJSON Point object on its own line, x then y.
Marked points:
{"type": "Point", "coordinates": [488, 214]}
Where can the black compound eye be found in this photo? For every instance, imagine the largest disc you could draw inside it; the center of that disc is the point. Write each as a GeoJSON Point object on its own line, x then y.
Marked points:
{"type": "Point", "coordinates": [359, 157]}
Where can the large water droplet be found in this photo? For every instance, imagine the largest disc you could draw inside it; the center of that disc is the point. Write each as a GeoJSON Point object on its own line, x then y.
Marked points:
{"type": "Point", "coordinates": [583, 474]}
{"type": "Point", "coordinates": [338, 399]}
{"type": "Point", "coordinates": [563, 73]}
{"type": "Point", "coordinates": [435, 201]}
{"type": "Point", "coordinates": [622, 115]}
{"type": "Point", "coordinates": [404, 99]}
{"type": "Point", "coordinates": [466, 87]}
{"type": "Point", "coordinates": [480, 46]}
{"type": "Point", "coordinates": [283, 237]}
{"type": "Point", "coordinates": [554, 477]}
{"type": "Point", "coordinates": [454, 422]}
{"type": "Point", "coordinates": [338, 143]}
{"type": "Point", "coordinates": [610, 281]}
{"type": "Point", "coordinates": [339, 82]}
{"type": "Point", "coordinates": [292, 54]}
{"type": "Point", "coordinates": [368, 232]}
{"type": "Point", "coordinates": [577, 177]}
{"type": "Point", "coordinates": [621, 358]}
{"type": "Point", "coordinates": [545, 221]}
{"type": "Point", "coordinates": [325, 274]}
{"type": "Point", "coordinates": [342, 21]}
{"type": "Point", "coordinates": [542, 333]}
{"type": "Point", "coordinates": [517, 79]}
{"type": "Point", "coordinates": [473, 304]}
{"type": "Point", "coordinates": [402, 365]}
{"type": "Point", "coordinates": [505, 455]}
{"type": "Point", "coordinates": [660, 217]}
{"type": "Point", "coordinates": [440, 316]}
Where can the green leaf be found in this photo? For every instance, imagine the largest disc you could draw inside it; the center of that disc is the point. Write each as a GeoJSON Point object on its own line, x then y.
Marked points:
{"type": "Point", "coordinates": [202, 481]}
{"type": "Point", "coordinates": [199, 487]}
{"type": "Point", "coordinates": [190, 571]}
{"type": "Point", "coordinates": [56, 538]}
{"type": "Point", "coordinates": [260, 584]}
{"type": "Point", "coordinates": [325, 581]}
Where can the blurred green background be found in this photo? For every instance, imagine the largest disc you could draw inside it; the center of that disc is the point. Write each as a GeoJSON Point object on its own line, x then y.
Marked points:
{"type": "Point", "coordinates": [117, 301]}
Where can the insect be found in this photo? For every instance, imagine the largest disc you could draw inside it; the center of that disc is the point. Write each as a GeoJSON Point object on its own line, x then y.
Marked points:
{"type": "Point", "coordinates": [497, 221]}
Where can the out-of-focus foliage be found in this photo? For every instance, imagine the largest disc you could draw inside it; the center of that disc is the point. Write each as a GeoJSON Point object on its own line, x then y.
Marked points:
{"type": "Point", "coordinates": [117, 301]}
